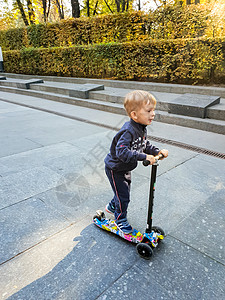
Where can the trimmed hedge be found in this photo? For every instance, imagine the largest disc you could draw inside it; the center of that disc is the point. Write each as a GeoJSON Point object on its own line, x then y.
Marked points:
{"type": "Point", "coordinates": [179, 61]}
{"type": "Point", "coordinates": [166, 22]}
{"type": "Point", "coordinates": [81, 31]}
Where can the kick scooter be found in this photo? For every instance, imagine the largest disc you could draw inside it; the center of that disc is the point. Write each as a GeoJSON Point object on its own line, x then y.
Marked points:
{"type": "Point", "coordinates": [153, 234]}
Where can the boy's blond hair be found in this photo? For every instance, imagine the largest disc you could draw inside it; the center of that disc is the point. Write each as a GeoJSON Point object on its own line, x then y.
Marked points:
{"type": "Point", "coordinates": [136, 99]}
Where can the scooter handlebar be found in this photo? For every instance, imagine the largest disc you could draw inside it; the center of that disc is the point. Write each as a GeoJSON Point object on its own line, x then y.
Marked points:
{"type": "Point", "coordinates": [157, 157]}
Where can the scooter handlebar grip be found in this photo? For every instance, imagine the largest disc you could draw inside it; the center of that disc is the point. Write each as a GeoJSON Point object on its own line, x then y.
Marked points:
{"type": "Point", "coordinates": [157, 157]}
{"type": "Point", "coordinates": [160, 156]}
{"type": "Point", "coordinates": [146, 162]}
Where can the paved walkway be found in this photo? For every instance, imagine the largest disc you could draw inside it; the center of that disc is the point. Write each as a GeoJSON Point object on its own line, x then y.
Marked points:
{"type": "Point", "coordinates": [52, 181]}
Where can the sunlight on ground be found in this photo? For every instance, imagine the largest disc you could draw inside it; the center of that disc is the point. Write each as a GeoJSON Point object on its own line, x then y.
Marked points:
{"type": "Point", "coordinates": [40, 260]}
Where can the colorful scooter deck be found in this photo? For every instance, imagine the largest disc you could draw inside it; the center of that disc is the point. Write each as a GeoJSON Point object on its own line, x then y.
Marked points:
{"type": "Point", "coordinates": [135, 236]}
{"type": "Point", "coordinates": [109, 225]}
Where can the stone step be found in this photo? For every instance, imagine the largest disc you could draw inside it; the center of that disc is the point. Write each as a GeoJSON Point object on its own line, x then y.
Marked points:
{"type": "Point", "coordinates": [73, 90]}
{"type": "Point", "coordinates": [216, 126]}
{"type": "Point", "coordinates": [148, 86]}
{"type": "Point", "coordinates": [95, 104]}
{"type": "Point", "coordinates": [19, 83]}
{"type": "Point", "coordinates": [164, 100]}
{"type": "Point", "coordinates": [114, 95]}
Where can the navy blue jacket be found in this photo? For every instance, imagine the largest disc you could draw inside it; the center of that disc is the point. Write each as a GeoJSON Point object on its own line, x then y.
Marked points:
{"type": "Point", "coordinates": [129, 146]}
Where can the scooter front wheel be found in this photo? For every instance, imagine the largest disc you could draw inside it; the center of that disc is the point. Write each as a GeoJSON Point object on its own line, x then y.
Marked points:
{"type": "Point", "coordinates": [144, 250]}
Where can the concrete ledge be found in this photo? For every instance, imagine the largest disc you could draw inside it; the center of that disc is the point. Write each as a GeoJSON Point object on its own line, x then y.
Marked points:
{"type": "Point", "coordinates": [217, 112]}
{"type": "Point", "coordinates": [192, 105]}
{"type": "Point", "coordinates": [215, 126]}
{"type": "Point", "coordinates": [148, 86]}
{"type": "Point", "coordinates": [26, 84]}
{"type": "Point", "coordinates": [2, 78]}
{"type": "Point", "coordinates": [83, 90]}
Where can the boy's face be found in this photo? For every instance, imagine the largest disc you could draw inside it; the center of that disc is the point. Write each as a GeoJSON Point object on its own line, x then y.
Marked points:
{"type": "Point", "coordinates": [145, 115]}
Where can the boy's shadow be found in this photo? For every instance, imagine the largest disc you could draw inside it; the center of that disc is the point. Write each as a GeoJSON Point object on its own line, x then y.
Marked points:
{"type": "Point", "coordinates": [98, 259]}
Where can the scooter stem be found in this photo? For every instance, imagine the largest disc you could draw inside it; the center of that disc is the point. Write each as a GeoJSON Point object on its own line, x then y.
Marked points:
{"type": "Point", "coordinates": [151, 198]}
{"type": "Point", "coordinates": [151, 191]}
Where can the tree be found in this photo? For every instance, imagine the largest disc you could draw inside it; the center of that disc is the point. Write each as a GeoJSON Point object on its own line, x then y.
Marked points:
{"type": "Point", "coordinates": [93, 7]}
{"type": "Point", "coordinates": [46, 9]}
{"type": "Point", "coordinates": [88, 7]}
{"type": "Point", "coordinates": [7, 16]}
{"type": "Point", "coordinates": [75, 8]}
{"type": "Point", "coordinates": [24, 17]}
{"type": "Point", "coordinates": [31, 13]}
{"type": "Point", "coordinates": [122, 5]}
{"type": "Point", "coordinates": [60, 9]}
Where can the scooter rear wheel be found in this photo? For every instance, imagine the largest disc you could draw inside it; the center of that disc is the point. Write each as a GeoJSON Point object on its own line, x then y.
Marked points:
{"type": "Point", "coordinates": [144, 250]}
{"type": "Point", "coordinates": [158, 230]}
{"type": "Point", "coordinates": [100, 215]}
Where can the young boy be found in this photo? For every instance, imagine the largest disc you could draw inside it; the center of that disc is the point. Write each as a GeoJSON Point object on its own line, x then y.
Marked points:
{"type": "Point", "coordinates": [129, 146]}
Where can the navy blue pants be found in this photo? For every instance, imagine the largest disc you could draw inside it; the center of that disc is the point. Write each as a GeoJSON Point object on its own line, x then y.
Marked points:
{"type": "Point", "coordinates": [120, 183]}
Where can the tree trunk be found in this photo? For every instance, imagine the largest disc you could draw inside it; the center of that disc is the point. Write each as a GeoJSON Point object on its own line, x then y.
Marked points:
{"type": "Point", "coordinates": [30, 12]}
{"type": "Point", "coordinates": [127, 5]}
{"type": "Point", "coordinates": [95, 9]}
{"type": "Point", "coordinates": [88, 8]}
{"type": "Point", "coordinates": [108, 6]}
{"type": "Point", "coordinates": [49, 5]}
{"type": "Point", "coordinates": [139, 4]}
{"type": "Point", "coordinates": [123, 5]}
{"type": "Point", "coordinates": [46, 9]}
{"type": "Point", "coordinates": [20, 6]}
{"type": "Point", "coordinates": [118, 5]}
{"type": "Point", "coordinates": [75, 8]}
{"type": "Point", "coordinates": [60, 8]}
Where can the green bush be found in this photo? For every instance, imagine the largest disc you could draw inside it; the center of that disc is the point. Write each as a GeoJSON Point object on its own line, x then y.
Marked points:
{"type": "Point", "coordinates": [169, 22]}
{"type": "Point", "coordinates": [14, 39]}
{"type": "Point", "coordinates": [188, 61]}
{"type": "Point", "coordinates": [108, 28]}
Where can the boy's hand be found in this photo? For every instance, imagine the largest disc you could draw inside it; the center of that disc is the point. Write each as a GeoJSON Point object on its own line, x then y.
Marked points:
{"type": "Point", "coordinates": [151, 158]}
{"type": "Point", "coordinates": [164, 152]}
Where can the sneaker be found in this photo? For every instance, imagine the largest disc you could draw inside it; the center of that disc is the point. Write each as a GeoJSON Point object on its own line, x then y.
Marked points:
{"type": "Point", "coordinates": [123, 226]}
{"type": "Point", "coordinates": [110, 208]}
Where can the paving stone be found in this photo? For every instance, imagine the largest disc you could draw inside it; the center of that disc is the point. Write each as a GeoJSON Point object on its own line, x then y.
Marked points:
{"type": "Point", "coordinates": [7, 108]}
{"type": "Point", "coordinates": [56, 132]}
{"type": "Point", "coordinates": [48, 156]}
{"type": "Point", "coordinates": [39, 260]}
{"type": "Point", "coordinates": [22, 185]}
{"type": "Point", "coordinates": [25, 224]}
{"type": "Point", "coordinates": [178, 193]}
{"type": "Point", "coordinates": [175, 158]}
{"type": "Point", "coordinates": [183, 272]}
{"type": "Point", "coordinates": [98, 263]}
{"type": "Point", "coordinates": [3, 169]}
{"type": "Point", "coordinates": [16, 145]}
{"type": "Point", "coordinates": [135, 284]}
{"type": "Point", "coordinates": [44, 129]}
{"type": "Point", "coordinates": [95, 147]}
{"type": "Point", "coordinates": [203, 229]}
{"type": "Point", "coordinates": [92, 261]}
{"type": "Point", "coordinates": [175, 271]}
{"type": "Point", "coordinates": [192, 105]}
{"type": "Point", "coordinates": [83, 192]}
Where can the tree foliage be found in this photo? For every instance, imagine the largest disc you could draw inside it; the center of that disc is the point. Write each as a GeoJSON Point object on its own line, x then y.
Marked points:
{"type": "Point", "coordinates": [174, 43]}
{"type": "Point", "coordinates": [169, 22]}
{"type": "Point", "coordinates": [188, 61]}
